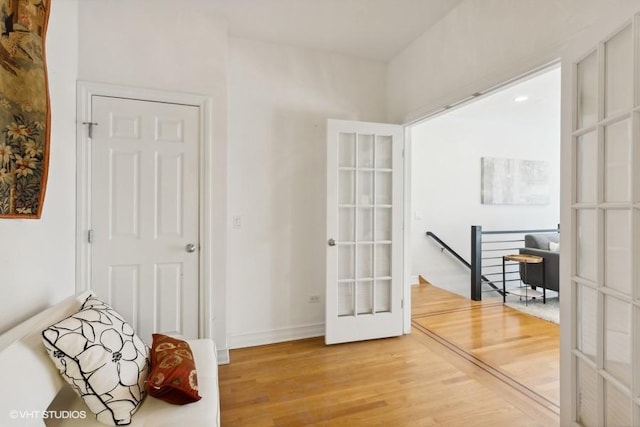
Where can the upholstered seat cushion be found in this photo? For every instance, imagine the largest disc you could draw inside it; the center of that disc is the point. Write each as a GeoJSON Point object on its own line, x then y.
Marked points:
{"type": "Point", "coordinates": [540, 241]}
{"type": "Point", "coordinates": [538, 244]}
{"type": "Point", "coordinates": [154, 412]}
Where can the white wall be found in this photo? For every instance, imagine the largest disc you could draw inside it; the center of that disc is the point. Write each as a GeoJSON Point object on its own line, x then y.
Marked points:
{"type": "Point", "coordinates": [446, 157]}
{"type": "Point", "coordinates": [483, 43]}
{"type": "Point", "coordinates": [176, 46]}
{"type": "Point", "coordinates": [38, 256]}
{"type": "Point", "coordinates": [279, 101]}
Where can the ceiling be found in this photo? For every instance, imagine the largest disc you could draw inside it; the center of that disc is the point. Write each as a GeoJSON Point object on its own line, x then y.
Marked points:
{"type": "Point", "coordinates": [541, 108]}
{"type": "Point", "coordinates": [372, 29]}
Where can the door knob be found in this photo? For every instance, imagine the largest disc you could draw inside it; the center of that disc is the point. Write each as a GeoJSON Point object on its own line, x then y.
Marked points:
{"type": "Point", "coordinates": [331, 242]}
{"type": "Point", "coordinates": [190, 247]}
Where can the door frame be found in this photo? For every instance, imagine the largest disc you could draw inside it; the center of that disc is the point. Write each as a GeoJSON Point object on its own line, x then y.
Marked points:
{"type": "Point", "coordinates": [406, 228]}
{"type": "Point", "coordinates": [85, 91]}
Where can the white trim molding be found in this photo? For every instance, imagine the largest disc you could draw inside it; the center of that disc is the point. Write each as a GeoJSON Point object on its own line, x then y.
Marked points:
{"type": "Point", "coordinates": [85, 92]}
{"type": "Point", "coordinates": [223, 357]}
{"type": "Point", "coordinates": [276, 335]}
{"type": "Point", "coordinates": [406, 230]}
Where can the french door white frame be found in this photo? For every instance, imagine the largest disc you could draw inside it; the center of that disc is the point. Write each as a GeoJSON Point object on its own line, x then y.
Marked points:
{"type": "Point", "coordinates": [406, 229]}
{"type": "Point", "coordinates": [599, 336]}
{"type": "Point", "coordinates": [85, 92]}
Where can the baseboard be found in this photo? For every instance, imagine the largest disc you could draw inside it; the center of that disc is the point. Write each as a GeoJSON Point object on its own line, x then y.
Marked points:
{"type": "Point", "coordinates": [276, 336]}
{"type": "Point", "coordinates": [414, 280]}
{"type": "Point", "coordinates": [223, 357]}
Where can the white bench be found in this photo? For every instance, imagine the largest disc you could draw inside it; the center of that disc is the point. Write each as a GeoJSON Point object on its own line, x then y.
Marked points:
{"type": "Point", "coordinates": [34, 393]}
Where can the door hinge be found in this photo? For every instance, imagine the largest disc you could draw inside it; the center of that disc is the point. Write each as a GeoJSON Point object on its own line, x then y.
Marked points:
{"type": "Point", "coordinates": [91, 125]}
{"type": "Point", "coordinates": [90, 236]}
{"type": "Point", "coordinates": [401, 303]}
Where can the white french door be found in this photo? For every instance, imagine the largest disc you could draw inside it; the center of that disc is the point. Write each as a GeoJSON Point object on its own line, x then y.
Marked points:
{"type": "Point", "coordinates": [364, 231]}
{"type": "Point", "coordinates": [144, 212]}
{"type": "Point", "coordinates": [605, 229]}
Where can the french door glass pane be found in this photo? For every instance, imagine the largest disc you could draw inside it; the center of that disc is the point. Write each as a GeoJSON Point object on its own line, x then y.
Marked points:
{"type": "Point", "coordinates": [345, 299]}
{"type": "Point", "coordinates": [365, 224]}
{"type": "Point", "coordinates": [346, 188]}
{"type": "Point", "coordinates": [365, 188]}
{"type": "Point", "coordinates": [365, 297]}
{"type": "Point", "coordinates": [617, 158]}
{"type": "Point", "coordinates": [383, 188]}
{"type": "Point", "coordinates": [346, 262]}
{"type": "Point", "coordinates": [365, 151]}
{"type": "Point", "coordinates": [587, 412]}
{"type": "Point", "coordinates": [636, 360]}
{"type": "Point", "coordinates": [617, 407]}
{"type": "Point", "coordinates": [383, 224]}
{"type": "Point", "coordinates": [586, 244]}
{"type": "Point", "coordinates": [383, 296]}
{"type": "Point", "coordinates": [587, 168]}
{"type": "Point", "coordinates": [617, 339]}
{"type": "Point", "coordinates": [346, 224]}
{"type": "Point", "coordinates": [365, 261]}
{"type": "Point", "coordinates": [587, 321]}
{"type": "Point", "coordinates": [383, 152]}
{"type": "Point", "coordinates": [619, 72]}
{"type": "Point", "coordinates": [588, 91]}
{"type": "Point", "coordinates": [347, 150]}
{"type": "Point", "coordinates": [617, 254]}
{"type": "Point", "coordinates": [383, 260]}
{"type": "Point", "coordinates": [634, 173]}
{"type": "Point", "coordinates": [636, 261]}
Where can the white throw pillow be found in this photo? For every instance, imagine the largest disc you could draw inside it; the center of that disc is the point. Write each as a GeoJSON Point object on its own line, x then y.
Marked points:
{"type": "Point", "coordinates": [554, 247]}
{"type": "Point", "coordinates": [103, 360]}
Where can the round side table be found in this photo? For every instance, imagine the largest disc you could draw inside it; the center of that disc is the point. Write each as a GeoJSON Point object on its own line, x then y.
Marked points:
{"type": "Point", "coordinates": [526, 260]}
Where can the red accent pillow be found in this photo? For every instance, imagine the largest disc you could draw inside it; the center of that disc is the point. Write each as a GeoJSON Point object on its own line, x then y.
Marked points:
{"type": "Point", "coordinates": [173, 375]}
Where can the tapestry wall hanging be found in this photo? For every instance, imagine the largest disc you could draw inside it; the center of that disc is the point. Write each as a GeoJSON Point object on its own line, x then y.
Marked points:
{"type": "Point", "coordinates": [514, 182]}
{"type": "Point", "coordinates": [24, 108]}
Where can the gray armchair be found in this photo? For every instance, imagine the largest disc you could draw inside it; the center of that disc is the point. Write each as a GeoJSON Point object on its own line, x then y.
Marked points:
{"type": "Point", "coordinates": [538, 244]}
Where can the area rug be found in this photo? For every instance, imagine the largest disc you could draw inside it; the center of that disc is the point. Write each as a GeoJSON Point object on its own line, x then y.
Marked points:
{"type": "Point", "coordinates": [549, 311]}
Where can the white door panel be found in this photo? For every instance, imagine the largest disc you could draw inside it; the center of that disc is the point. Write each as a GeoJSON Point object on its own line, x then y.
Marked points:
{"type": "Point", "coordinates": [144, 212]}
{"type": "Point", "coordinates": [364, 231]}
{"type": "Point", "coordinates": [605, 229]}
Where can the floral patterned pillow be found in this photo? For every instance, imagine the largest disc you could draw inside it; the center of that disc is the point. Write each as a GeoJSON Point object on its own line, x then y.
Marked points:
{"type": "Point", "coordinates": [103, 360]}
{"type": "Point", "coordinates": [173, 376]}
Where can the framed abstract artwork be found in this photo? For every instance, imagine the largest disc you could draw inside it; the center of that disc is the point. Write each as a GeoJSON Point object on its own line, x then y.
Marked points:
{"type": "Point", "coordinates": [24, 108]}
{"type": "Point", "coordinates": [514, 182]}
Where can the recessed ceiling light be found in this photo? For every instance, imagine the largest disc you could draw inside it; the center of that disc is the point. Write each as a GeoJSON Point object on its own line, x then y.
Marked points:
{"type": "Point", "coordinates": [521, 98]}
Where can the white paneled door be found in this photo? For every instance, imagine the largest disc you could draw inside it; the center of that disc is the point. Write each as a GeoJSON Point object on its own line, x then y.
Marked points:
{"type": "Point", "coordinates": [605, 332]}
{"type": "Point", "coordinates": [364, 231]}
{"type": "Point", "coordinates": [144, 212]}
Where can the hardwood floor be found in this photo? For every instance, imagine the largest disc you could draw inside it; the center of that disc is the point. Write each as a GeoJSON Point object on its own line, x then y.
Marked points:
{"type": "Point", "coordinates": [514, 345]}
{"type": "Point", "coordinates": [438, 375]}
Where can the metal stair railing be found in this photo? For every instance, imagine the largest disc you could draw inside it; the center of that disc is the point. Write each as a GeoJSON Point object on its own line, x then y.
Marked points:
{"type": "Point", "coordinates": [492, 250]}
{"type": "Point", "coordinates": [483, 278]}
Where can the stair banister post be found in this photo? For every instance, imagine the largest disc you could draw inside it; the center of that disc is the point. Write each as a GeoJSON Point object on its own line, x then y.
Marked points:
{"type": "Point", "coordinates": [476, 262]}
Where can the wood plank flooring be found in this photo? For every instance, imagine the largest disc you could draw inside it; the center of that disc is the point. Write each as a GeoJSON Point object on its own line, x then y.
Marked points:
{"type": "Point", "coordinates": [430, 377]}
{"type": "Point", "coordinates": [515, 345]}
